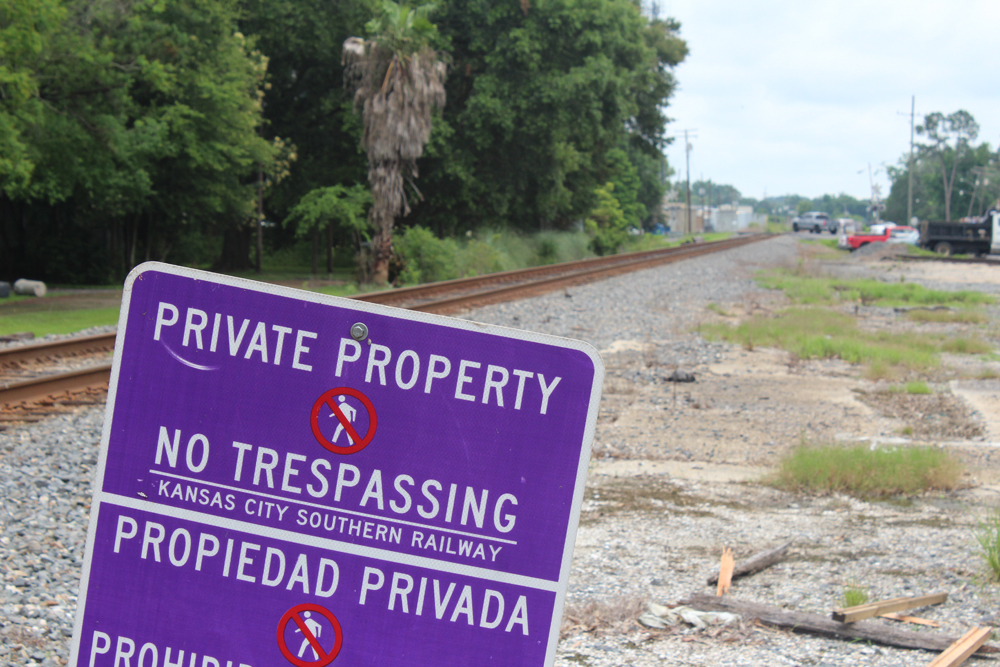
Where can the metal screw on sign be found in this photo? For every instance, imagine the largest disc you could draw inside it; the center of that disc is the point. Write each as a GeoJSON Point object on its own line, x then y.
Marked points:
{"type": "Point", "coordinates": [359, 332]}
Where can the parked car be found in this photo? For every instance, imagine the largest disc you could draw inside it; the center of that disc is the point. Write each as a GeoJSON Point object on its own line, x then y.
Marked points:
{"type": "Point", "coordinates": [815, 222]}
{"type": "Point", "coordinates": [904, 234]}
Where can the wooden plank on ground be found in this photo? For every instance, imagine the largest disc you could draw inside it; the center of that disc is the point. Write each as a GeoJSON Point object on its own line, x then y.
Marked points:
{"type": "Point", "coordinates": [757, 562]}
{"type": "Point", "coordinates": [910, 619]}
{"type": "Point", "coordinates": [872, 609]}
{"type": "Point", "coordinates": [821, 625]}
{"type": "Point", "coordinates": [725, 572]}
{"type": "Point", "coordinates": [960, 651]}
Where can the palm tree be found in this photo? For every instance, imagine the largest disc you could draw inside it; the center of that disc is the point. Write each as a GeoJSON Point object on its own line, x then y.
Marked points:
{"type": "Point", "coordinates": [398, 81]}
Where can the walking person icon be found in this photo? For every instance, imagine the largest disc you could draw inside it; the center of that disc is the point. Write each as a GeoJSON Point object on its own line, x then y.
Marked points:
{"type": "Point", "coordinates": [349, 413]}
{"type": "Point", "coordinates": [315, 628]}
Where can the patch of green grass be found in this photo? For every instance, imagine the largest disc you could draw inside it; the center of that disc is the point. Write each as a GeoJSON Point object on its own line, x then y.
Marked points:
{"type": "Point", "coordinates": [655, 241]}
{"type": "Point", "coordinates": [717, 309]}
{"type": "Point", "coordinates": [974, 345]}
{"type": "Point", "coordinates": [826, 243]}
{"type": "Point", "coordinates": [805, 289]}
{"type": "Point", "coordinates": [859, 471]}
{"type": "Point", "coordinates": [854, 595]}
{"type": "Point", "coordinates": [821, 333]}
{"type": "Point", "coordinates": [988, 536]}
{"type": "Point", "coordinates": [962, 316]}
{"type": "Point", "coordinates": [57, 321]}
{"type": "Point", "coordinates": [918, 387]}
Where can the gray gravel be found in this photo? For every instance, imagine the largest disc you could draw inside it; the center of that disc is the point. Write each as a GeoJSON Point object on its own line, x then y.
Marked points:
{"type": "Point", "coordinates": [46, 471]}
{"type": "Point", "coordinates": [658, 305]}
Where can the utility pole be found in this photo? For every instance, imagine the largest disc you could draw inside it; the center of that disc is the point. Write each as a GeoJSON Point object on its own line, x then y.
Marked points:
{"type": "Point", "coordinates": [909, 169]}
{"type": "Point", "coordinates": [909, 162]}
{"type": "Point", "coordinates": [688, 227]}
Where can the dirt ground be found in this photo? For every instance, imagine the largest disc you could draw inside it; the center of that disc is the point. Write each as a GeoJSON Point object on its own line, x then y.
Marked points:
{"type": "Point", "coordinates": [749, 407]}
{"type": "Point", "coordinates": [674, 480]}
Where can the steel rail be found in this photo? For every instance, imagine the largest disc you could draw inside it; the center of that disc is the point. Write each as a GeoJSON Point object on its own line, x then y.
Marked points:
{"type": "Point", "coordinates": [542, 285]}
{"type": "Point", "coordinates": [943, 258]}
{"type": "Point", "coordinates": [58, 348]}
{"type": "Point", "coordinates": [545, 279]}
{"type": "Point", "coordinates": [30, 390]}
{"type": "Point", "coordinates": [477, 289]}
{"type": "Point", "coordinates": [514, 275]}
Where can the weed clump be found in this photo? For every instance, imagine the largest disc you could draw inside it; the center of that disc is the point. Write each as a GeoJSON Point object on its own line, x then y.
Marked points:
{"type": "Point", "coordinates": [854, 594]}
{"type": "Point", "coordinates": [988, 536]}
{"type": "Point", "coordinates": [866, 473]}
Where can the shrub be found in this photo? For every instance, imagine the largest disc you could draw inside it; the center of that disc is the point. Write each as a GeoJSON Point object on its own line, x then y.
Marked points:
{"type": "Point", "coordinates": [426, 257]}
{"type": "Point", "coordinates": [607, 224]}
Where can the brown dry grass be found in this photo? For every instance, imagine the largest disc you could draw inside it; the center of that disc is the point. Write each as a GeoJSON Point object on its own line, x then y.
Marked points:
{"type": "Point", "coordinates": [602, 618]}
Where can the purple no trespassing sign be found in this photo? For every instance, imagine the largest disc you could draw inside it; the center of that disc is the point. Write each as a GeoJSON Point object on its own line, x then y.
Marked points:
{"type": "Point", "coordinates": [279, 486]}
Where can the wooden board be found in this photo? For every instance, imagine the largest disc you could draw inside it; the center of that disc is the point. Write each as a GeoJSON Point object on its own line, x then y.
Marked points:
{"type": "Point", "coordinates": [960, 651]}
{"type": "Point", "coordinates": [872, 609]}
{"type": "Point", "coordinates": [725, 572]}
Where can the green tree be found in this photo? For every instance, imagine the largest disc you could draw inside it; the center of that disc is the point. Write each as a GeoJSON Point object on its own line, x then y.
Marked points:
{"type": "Point", "coordinates": [950, 138]}
{"type": "Point", "coordinates": [324, 212]}
{"type": "Point", "coordinates": [146, 134]}
{"type": "Point", "coordinates": [976, 185]}
{"type": "Point", "coordinates": [539, 97]}
{"type": "Point", "coordinates": [26, 30]}
{"type": "Point", "coordinates": [607, 223]}
{"type": "Point", "coordinates": [398, 83]}
{"type": "Point", "coordinates": [305, 101]}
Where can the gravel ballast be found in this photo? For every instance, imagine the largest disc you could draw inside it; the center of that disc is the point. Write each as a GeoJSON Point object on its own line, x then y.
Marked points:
{"type": "Point", "coordinates": [647, 533]}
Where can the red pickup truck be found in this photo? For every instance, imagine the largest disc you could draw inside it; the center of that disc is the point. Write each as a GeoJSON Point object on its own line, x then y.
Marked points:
{"type": "Point", "coordinates": [879, 234]}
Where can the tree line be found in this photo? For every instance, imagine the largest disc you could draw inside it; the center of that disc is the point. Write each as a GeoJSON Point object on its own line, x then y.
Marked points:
{"type": "Point", "coordinates": [172, 129]}
{"type": "Point", "coordinates": [953, 177]}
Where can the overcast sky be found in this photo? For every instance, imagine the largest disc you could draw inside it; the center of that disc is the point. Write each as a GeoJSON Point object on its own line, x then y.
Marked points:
{"type": "Point", "coordinates": [797, 97]}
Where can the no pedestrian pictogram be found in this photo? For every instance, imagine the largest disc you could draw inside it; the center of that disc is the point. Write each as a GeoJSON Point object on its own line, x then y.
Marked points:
{"type": "Point", "coordinates": [335, 399]}
{"type": "Point", "coordinates": [311, 630]}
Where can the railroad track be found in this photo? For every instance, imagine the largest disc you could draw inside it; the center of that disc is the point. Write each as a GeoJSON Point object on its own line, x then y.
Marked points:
{"type": "Point", "coordinates": [33, 398]}
{"type": "Point", "coordinates": [945, 258]}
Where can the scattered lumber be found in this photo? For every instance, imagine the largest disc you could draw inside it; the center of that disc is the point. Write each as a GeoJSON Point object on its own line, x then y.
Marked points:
{"type": "Point", "coordinates": [725, 571]}
{"type": "Point", "coordinates": [910, 619]}
{"type": "Point", "coordinates": [821, 625]}
{"type": "Point", "coordinates": [757, 562]}
{"type": "Point", "coordinates": [872, 609]}
{"type": "Point", "coordinates": [960, 651]}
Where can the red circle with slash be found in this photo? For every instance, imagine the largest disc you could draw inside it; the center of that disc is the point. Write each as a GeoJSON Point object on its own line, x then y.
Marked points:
{"type": "Point", "coordinates": [327, 400]}
{"type": "Point", "coordinates": [294, 614]}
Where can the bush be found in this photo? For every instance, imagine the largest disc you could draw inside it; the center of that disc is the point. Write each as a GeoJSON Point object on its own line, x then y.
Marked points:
{"type": "Point", "coordinates": [426, 258]}
{"type": "Point", "coordinates": [607, 223]}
